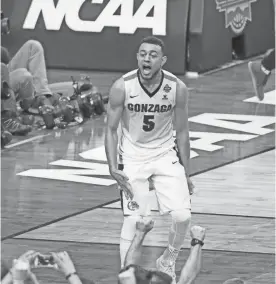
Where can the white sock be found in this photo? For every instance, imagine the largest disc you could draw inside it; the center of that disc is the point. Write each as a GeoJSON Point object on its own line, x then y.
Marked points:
{"type": "Point", "coordinates": [177, 235]}
{"type": "Point", "coordinates": [127, 234]}
{"type": "Point", "coordinates": [124, 247]}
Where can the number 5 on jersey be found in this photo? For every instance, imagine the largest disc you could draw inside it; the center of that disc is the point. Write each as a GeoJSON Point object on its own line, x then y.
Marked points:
{"type": "Point", "coordinates": [148, 123]}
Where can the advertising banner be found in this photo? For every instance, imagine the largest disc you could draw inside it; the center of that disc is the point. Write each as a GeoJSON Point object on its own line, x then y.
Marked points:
{"type": "Point", "coordinates": [237, 13]}
{"type": "Point", "coordinates": [98, 34]}
{"type": "Point", "coordinates": [227, 30]}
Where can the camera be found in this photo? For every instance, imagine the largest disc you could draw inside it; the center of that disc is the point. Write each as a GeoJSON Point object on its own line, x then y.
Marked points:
{"type": "Point", "coordinates": [44, 261]}
{"type": "Point", "coordinates": [5, 24]}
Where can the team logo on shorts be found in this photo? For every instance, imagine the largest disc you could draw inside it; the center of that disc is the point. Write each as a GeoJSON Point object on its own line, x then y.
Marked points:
{"type": "Point", "coordinates": [132, 205]}
{"type": "Point", "coordinates": [237, 13]}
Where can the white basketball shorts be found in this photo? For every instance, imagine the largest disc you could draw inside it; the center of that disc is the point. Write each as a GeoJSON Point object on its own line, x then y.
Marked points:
{"type": "Point", "coordinates": [167, 176]}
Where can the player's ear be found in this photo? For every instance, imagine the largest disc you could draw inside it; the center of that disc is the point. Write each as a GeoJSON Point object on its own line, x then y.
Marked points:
{"type": "Point", "coordinates": [164, 60]}
{"type": "Point", "coordinates": [137, 56]}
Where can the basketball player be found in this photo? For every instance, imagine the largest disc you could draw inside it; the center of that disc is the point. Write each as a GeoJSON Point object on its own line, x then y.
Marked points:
{"type": "Point", "coordinates": [145, 102]}
{"type": "Point", "coordinates": [260, 72]}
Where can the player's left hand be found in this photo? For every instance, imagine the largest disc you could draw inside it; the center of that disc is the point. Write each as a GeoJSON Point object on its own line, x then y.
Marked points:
{"type": "Point", "coordinates": [190, 186]}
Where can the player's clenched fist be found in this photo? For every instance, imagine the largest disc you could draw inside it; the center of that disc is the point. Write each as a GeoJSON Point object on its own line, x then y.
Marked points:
{"type": "Point", "coordinates": [144, 225]}
{"type": "Point", "coordinates": [122, 181]}
{"type": "Point", "coordinates": [198, 232]}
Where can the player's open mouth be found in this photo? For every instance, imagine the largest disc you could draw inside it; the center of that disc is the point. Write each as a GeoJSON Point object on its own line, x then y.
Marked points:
{"type": "Point", "coordinates": [146, 69]}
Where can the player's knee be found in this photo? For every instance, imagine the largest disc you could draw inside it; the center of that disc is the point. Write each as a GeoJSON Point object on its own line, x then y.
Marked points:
{"type": "Point", "coordinates": [180, 216]}
{"type": "Point", "coordinates": [129, 227]}
{"type": "Point", "coordinates": [22, 75]}
{"type": "Point", "coordinates": [35, 45]}
{"type": "Point", "coordinates": [27, 77]}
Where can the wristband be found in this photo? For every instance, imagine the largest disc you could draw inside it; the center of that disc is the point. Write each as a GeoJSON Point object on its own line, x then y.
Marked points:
{"type": "Point", "coordinates": [70, 274]}
{"type": "Point", "coordinates": [196, 242]}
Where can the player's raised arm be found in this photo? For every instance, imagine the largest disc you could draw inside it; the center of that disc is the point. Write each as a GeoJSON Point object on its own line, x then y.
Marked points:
{"type": "Point", "coordinates": [182, 128]}
{"type": "Point", "coordinates": [114, 113]}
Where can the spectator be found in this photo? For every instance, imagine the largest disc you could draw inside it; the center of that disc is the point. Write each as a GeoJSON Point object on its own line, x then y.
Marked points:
{"type": "Point", "coordinates": [260, 71]}
{"type": "Point", "coordinates": [28, 75]}
{"type": "Point", "coordinates": [62, 261]}
{"type": "Point", "coordinates": [66, 266]}
{"type": "Point", "coordinates": [15, 275]}
{"type": "Point", "coordinates": [132, 273]}
{"type": "Point", "coordinates": [10, 120]}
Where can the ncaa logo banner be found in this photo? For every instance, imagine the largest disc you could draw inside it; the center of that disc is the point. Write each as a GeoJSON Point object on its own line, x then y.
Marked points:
{"type": "Point", "coordinates": [237, 13]}
{"type": "Point", "coordinates": [100, 35]}
{"type": "Point", "coordinates": [127, 21]}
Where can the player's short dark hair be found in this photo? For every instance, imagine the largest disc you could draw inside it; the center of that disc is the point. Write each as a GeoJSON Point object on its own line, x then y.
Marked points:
{"type": "Point", "coordinates": [154, 40]}
{"type": "Point", "coordinates": [144, 276]}
{"type": "Point", "coordinates": [159, 277]}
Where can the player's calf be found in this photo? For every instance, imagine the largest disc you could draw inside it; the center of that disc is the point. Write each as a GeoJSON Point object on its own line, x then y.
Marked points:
{"type": "Point", "coordinates": [180, 225]}
{"type": "Point", "coordinates": [127, 234]}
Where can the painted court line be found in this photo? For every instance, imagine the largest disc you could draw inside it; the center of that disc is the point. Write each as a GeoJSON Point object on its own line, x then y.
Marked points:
{"type": "Point", "coordinates": [269, 99]}
{"type": "Point", "coordinates": [14, 235]}
{"type": "Point", "coordinates": [26, 141]}
{"type": "Point", "coordinates": [91, 227]}
{"type": "Point", "coordinates": [87, 222]}
{"type": "Point", "coordinates": [230, 65]}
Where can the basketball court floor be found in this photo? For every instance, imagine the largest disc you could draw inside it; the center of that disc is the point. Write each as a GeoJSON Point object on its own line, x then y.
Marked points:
{"type": "Point", "coordinates": [57, 193]}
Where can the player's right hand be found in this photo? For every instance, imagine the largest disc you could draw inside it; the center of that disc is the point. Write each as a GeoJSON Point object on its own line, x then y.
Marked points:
{"type": "Point", "coordinates": [198, 232]}
{"type": "Point", "coordinates": [144, 225]}
{"type": "Point", "coordinates": [190, 186]}
{"type": "Point", "coordinates": [123, 183]}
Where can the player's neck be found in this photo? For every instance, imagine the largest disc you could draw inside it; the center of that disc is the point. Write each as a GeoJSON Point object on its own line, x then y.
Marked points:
{"type": "Point", "coordinates": [155, 80]}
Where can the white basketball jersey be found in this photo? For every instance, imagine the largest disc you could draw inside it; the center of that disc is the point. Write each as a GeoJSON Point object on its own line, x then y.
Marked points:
{"type": "Point", "coordinates": [146, 130]}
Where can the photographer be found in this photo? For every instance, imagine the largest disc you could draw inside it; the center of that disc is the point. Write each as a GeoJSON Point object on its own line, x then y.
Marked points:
{"type": "Point", "coordinates": [28, 76]}
{"type": "Point", "coordinates": [23, 80]}
{"type": "Point", "coordinates": [21, 270]}
{"type": "Point", "coordinates": [27, 69]}
{"type": "Point", "coordinates": [11, 121]}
